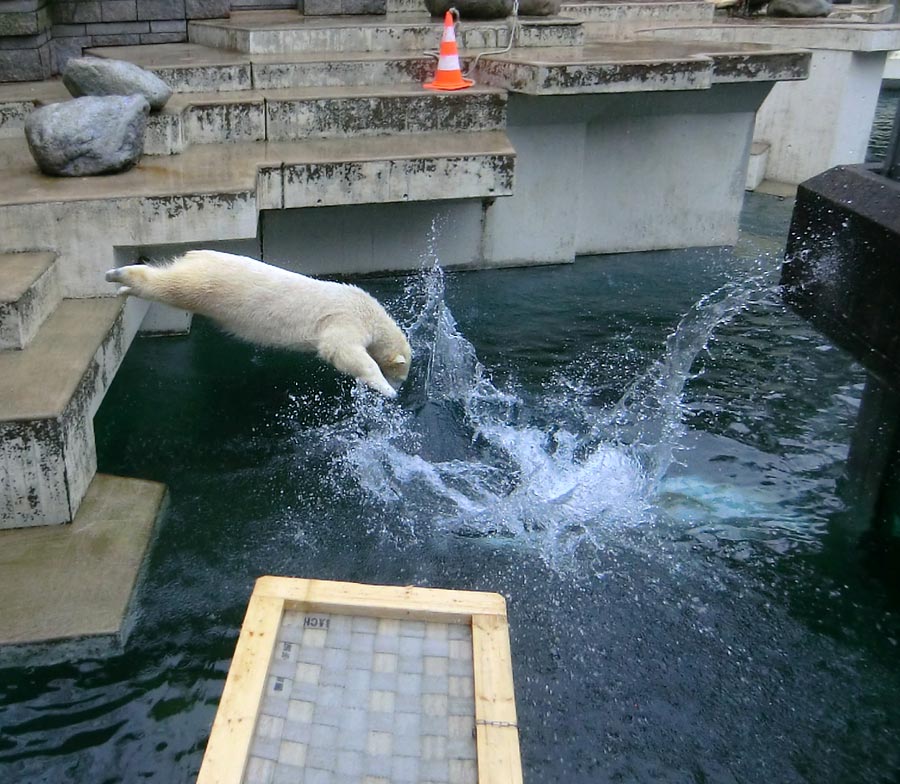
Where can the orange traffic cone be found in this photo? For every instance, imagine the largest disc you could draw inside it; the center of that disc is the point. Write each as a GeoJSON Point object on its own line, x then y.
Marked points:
{"type": "Point", "coordinates": [448, 76]}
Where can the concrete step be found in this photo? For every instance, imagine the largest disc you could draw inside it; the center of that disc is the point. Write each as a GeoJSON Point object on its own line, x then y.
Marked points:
{"type": "Point", "coordinates": [49, 393]}
{"type": "Point", "coordinates": [193, 68]}
{"type": "Point", "coordinates": [76, 582]}
{"type": "Point", "coordinates": [320, 113]}
{"type": "Point", "coordinates": [216, 192]}
{"type": "Point", "coordinates": [274, 32]}
{"type": "Point", "coordinates": [615, 19]}
{"type": "Point", "coordinates": [29, 292]}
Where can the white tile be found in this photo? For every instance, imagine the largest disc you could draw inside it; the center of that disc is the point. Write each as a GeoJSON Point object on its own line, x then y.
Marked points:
{"type": "Point", "coordinates": [292, 753]}
{"type": "Point", "coordinates": [308, 673]}
{"type": "Point", "coordinates": [300, 710]}
{"type": "Point", "coordinates": [434, 704]}
{"type": "Point", "coordinates": [278, 687]}
{"type": "Point", "coordinates": [259, 771]}
{"type": "Point", "coordinates": [385, 662]}
{"type": "Point", "coordinates": [412, 629]}
{"type": "Point", "coordinates": [270, 726]}
{"type": "Point", "coordinates": [463, 772]}
{"type": "Point", "coordinates": [380, 744]}
{"type": "Point", "coordinates": [388, 626]}
{"type": "Point", "coordinates": [461, 649]}
{"type": "Point", "coordinates": [461, 687]}
{"type": "Point", "coordinates": [436, 665]}
{"type": "Point", "coordinates": [434, 747]}
{"type": "Point", "coordinates": [314, 638]}
{"type": "Point", "coordinates": [381, 701]}
{"type": "Point", "coordinates": [436, 631]}
{"type": "Point", "coordinates": [460, 726]}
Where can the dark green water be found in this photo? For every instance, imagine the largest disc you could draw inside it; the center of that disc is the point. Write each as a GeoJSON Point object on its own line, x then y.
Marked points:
{"type": "Point", "coordinates": [641, 452]}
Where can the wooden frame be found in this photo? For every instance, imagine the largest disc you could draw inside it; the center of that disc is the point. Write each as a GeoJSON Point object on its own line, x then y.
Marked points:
{"type": "Point", "coordinates": [497, 734]}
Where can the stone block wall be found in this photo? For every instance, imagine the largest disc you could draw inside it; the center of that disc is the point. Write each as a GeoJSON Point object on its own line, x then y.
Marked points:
{"type": "Point", "coordinates": [25, 48]}
{"type": "Point", "coordinates": [37, 37]}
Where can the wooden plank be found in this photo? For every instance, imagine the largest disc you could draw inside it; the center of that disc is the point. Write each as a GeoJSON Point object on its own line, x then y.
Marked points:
{"type": "Point", "coordinates": [496, 726]}
{"type": "Point", "coordinates": [384, 601]}
{"type": "Point", "coordinates": [228, 749]}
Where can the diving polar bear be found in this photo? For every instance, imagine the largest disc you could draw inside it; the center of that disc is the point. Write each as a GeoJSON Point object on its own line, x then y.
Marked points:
{"type": "Point", "coordinates": [271, 306]}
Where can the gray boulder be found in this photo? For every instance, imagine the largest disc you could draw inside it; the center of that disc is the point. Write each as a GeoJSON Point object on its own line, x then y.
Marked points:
{"type": "Point", "coordinates": [539, 7]}
{"type": "Point", "coordinates": [472, 9]}
{"type": "Point", "coordinates": [94, 135]}
{"type": "Point", "coordinates": [798, 8]}
{"type": "Point", "coordinates": [96, 76]}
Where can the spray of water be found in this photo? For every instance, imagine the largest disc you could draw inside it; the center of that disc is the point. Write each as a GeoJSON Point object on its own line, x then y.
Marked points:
{"type": "Point", "coordinates": [464, 455]}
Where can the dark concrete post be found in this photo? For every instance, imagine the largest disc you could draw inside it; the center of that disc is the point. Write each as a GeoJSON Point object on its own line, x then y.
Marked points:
{"type": "Point", "coordinates": [842, 273]}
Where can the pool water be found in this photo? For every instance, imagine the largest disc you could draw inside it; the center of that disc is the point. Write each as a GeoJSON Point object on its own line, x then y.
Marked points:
{"type": "Point", "coordinates": [642, 452]}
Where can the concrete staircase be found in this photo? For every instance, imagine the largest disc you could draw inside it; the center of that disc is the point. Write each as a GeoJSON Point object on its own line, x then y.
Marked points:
{"type": "Point", "coordinates": [57, 359]}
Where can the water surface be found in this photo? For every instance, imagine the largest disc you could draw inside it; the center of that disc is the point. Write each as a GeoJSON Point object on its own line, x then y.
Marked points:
{"type": "Point", "coordinates": [641, 452]}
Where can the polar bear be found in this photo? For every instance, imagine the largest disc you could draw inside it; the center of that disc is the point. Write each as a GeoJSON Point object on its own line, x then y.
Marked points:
{"type": "Point", "coordinates": [272, 306]}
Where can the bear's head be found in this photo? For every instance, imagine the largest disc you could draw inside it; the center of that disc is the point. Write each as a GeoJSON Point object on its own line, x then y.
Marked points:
{"type": "Point", "coordinates": [394, 357]}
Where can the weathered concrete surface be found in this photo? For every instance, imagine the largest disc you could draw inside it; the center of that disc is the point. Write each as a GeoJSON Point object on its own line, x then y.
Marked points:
{"type": "Point", "coordinates": [613, 66]}
{"type": "Point", "coordinates": [617, 20]}
{"type": "Point", "coordinates": [617, 67]}
{"type": "Point", "coordinates": [75, 581]}
{"type": "Point", "coordinates": [216, 192]}
{"type": "Point", "coordinates": [844, 81]}
{"type": "Point", "coordinates": [29, 291]}
{"type": "Point", "coordinates": [319, 113]}
{"type": "Point", "coordinates": [381, 170]}
{"type": "Point", "coordinates": [272, 32]}
{"type": "Point", "coordinates": [49, 394]}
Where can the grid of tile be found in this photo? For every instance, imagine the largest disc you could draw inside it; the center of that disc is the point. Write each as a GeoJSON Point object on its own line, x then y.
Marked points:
{"type": "Point", "coordinates": [353, 699]}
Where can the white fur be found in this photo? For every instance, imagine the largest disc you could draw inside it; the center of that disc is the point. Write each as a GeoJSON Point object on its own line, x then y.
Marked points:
{"type": "Point", "coordinates": [271, 306]}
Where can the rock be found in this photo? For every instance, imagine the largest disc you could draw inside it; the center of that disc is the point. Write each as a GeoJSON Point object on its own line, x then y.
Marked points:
{"type": "Point", "coordinates": [94, 135]}
{"type": "Point", "coordinates": [799, 8]}
{"type": "Point", "coordinates": [472, 9]}
{"type": "Point", "coordinates": [539, 7]}
{"type": "Point", "coordinates": [96, 76]}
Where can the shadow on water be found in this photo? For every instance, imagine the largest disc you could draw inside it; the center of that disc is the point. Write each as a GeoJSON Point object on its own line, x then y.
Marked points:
{"type": "Point", "coordinates": [641, 452]}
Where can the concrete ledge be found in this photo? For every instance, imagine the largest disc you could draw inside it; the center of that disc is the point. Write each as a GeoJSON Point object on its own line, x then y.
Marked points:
{"type": "Point", "coordinates": [76, 582]}
{"type": "Point", "coordinates": [215, 192]}
{"type": "Point", "coordinates": [618, 67]}
{"type": "Point", "coordinates": [271, 32]}
{"type": "Point", "coordinates": [29, 292]}
{"type": "Point", "coordinates": [49, 394]}
{"type": "Point", "coordinates": [794, 33]}
{"type": "Point", "coordinates": [319, 113]}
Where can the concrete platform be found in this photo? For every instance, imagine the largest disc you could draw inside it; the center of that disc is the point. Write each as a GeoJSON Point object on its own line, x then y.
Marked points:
{"type": "Point", "coordinates": [319, 113]}
{"type": "Point", "coordinates": [270, 32]}
{"type": "Point", "coordinates": [49, 393]}
{"type": "Point", "coordinates": [624, 67]}
{"type": "Point", "coordinates": [215, 193]}
{"type": "Point", "coordinates": [74, 583]}
{"type": "Point", "coordinates": [845, 73]}
{"type": "Point", "coordinates": [29, 292]}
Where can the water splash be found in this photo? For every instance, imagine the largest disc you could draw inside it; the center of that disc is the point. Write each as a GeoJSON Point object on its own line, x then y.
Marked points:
{"type": "Point", "coordinates": [464, 455]}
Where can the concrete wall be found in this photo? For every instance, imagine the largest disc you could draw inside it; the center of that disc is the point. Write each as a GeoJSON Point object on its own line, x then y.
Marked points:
{"type": "Point", "coordinates": [585, 183]}
{"type": "Point", "coordinates": [840, 98]}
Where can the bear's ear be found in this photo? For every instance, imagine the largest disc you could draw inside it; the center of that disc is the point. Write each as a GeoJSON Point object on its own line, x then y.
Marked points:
{"type": "Point", "coordinates": [399, 359]}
